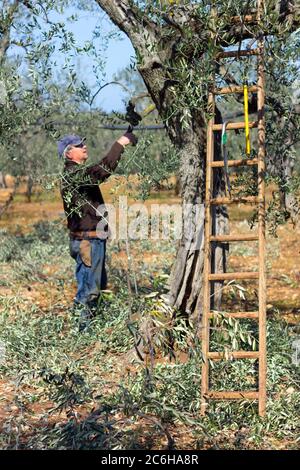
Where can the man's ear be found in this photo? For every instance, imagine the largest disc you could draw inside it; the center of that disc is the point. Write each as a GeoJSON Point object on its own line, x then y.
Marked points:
{"type": "Point", "coordinates": [67, 153]}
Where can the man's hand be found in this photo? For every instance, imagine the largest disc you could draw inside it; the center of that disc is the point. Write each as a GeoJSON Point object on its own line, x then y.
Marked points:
{"type": "Point", "coordinates": [127, 138]}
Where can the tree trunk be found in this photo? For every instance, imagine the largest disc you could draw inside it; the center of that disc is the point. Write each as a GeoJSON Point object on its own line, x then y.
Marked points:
{"type": "Point", "coordinates": [177, 186]}
{"type": "Point", "coordinates": [29, 188]}
{"type": "Point", "coordinates": [2, 180]}
{"type": "Point", "coordinates": [288, 199]}
{"type": "Point", "coordinates": [10, 199]}
{"type": "Point", "coordinates": [186, 278]}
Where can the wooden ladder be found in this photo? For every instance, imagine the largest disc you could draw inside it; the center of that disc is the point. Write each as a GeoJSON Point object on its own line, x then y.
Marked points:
{"type": "Point", "coordinates": [209, 276]}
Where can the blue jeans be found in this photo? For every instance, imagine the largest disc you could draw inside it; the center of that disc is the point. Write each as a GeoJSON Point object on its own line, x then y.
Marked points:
{"type": "Point", "coordinates": [90, 270]}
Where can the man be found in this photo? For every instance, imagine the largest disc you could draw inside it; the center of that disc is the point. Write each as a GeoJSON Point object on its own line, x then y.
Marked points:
{"type": "Point", "coordinates": [81, 198]}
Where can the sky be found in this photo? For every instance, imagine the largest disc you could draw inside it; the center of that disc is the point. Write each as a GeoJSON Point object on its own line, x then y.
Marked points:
{"type": "Point", "coordinates": [120, 54]}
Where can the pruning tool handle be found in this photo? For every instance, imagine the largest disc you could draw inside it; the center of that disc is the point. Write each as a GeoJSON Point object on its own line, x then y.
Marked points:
{"type": "Point", "coordinates": [133, 117]}
{"type": "Point", "coordinates": [130, 130]}
{"type": "Point", "coordinates": [225, 156]}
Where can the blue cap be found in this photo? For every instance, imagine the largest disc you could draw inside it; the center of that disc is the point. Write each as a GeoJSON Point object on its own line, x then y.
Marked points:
{"type": "Point", "coordinates": [67, 140]}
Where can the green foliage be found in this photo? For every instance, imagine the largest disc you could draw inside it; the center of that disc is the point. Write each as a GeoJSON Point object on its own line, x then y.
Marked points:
{"type": "Point", "coordinates": [154, 160]}
{"type": "Point", "coordinates": [66, 390]}
{"type": "Point", "coordinates": [231, 334]}
{"type": "Point", "coordinates": [27, 253]}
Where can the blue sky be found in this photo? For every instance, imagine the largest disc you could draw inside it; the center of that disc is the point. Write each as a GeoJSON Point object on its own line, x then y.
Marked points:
{"type": "Point", "coordinates": [119, 55]}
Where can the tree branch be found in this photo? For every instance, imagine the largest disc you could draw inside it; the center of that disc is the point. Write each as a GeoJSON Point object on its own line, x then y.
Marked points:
{"type": "Point", "coordinates": [288, 17]}
{"type": "Point", "coordinates": [129, 18]}
{"type": "Point", "coordinates": [143, 33]}
{"type": "Point", "coordinates": [7, 22]}
{"type": "Point", "coordinates": [104, 86]}
{"type": "Point", "coordinates": [8, 18]}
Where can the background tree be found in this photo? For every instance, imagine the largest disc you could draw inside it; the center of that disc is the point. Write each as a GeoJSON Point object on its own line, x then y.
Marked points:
{"type": "Point", "coordinates": [29, 94]}
{"type": "Point", "coordinates": [41, 83]}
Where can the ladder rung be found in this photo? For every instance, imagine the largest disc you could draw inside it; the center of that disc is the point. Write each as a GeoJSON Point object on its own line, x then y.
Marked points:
{"type": "Point", "coordinates": [233, 355]}
{"type": "Point", "coordinates": [234, 200]}
{"type": "Point", "coordinates": [231, 276]}
{"type": "Point", "coordinates": [247, 395]}
{"type": "Point", "coordinates": [242, 53]}
{"type": "Point", "coordinates": [235, 89]}
{"type": "Point", "coordinates": [246, 315]}
{"type": "Point", "coordinates": [233, 238]}
{"type": "Point", "coordinates": [234, 125]}
{"type": "Point", "coordinates": [220, 163]}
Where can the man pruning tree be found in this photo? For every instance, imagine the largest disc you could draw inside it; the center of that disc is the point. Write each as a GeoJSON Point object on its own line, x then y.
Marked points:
{"type": "Point", "coordinates": [81, 199]}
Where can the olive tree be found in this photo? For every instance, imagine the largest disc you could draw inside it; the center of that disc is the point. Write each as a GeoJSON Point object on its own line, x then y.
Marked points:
{"type": "Point", "coordinates": [40, 83]}
{"type": "Point", "coordinates": [175, 51]}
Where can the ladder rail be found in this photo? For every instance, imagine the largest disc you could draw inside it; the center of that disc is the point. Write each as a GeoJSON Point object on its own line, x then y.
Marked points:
{"type": "Point", "coordinates": [207, 259]}
{"type": "Point", "coordinates": [261, 223]}
{"type": "Point", "coordinates": [207, 233]}
{"type": "Point", "coordinates": [260, 275]}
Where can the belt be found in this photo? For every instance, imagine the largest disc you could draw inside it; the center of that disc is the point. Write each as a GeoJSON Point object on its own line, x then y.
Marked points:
{"type": "Point", "coordinates": [89, 234]}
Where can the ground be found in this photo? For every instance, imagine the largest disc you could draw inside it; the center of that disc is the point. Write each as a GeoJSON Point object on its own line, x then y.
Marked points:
{"type": "Point", "coordinates": [59, 389]}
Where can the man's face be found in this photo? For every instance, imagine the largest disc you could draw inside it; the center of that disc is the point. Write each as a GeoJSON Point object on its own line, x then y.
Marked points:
{"type": "Point", "coordinates": [77, 153]}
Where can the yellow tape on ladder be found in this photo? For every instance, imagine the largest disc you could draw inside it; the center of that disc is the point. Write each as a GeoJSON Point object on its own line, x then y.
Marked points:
{"type": "Point", "coordinates": [246, 111]}
{"type": "Point", "coordinates": [148, 110]}
{"type": "Point", "coordinates": [173, 3]}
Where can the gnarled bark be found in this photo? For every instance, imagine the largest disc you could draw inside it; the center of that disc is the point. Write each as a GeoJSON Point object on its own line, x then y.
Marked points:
{"type": "Point", "coordinates": [186, 277]}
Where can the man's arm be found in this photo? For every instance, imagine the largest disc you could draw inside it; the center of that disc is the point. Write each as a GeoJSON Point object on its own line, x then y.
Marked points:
{"type": "Point", "coordinates": [107, 166]}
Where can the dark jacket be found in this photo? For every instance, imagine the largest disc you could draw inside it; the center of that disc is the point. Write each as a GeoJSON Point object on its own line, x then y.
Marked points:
{"type": "Point", "coordinates": [80, 190]}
